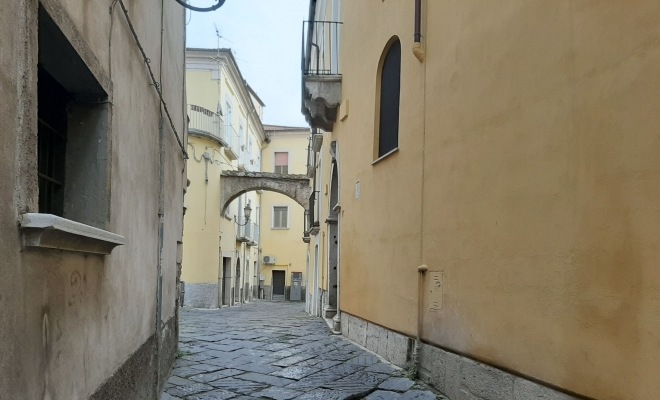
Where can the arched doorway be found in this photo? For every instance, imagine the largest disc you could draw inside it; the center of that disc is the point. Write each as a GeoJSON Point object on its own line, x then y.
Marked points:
{"type": "Point", "coordinates": [333, 244]}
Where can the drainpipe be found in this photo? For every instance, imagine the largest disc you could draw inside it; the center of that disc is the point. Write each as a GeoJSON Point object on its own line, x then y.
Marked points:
{"type": "Point", "coordinates": [420, 305]}
{"type": "Point", "coordinates": [417, 49]}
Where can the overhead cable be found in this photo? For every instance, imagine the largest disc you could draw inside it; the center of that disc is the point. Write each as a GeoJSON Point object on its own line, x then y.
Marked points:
{"type": "Point", "coordinates": [154, 82]}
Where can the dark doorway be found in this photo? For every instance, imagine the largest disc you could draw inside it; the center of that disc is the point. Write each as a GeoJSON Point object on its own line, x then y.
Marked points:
{"type": "Point", "coordinates": [226, 278]}
{"type": "Point", "coordinates": [237, 286]}
{"type": "Point", "coordinates": [333, 245]}
{"type": "Point", "coordinates": [278, 285]}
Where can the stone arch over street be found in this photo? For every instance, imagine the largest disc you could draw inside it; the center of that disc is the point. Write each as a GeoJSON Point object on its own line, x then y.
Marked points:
{"type": "Point", "coordinates": [235, 183]}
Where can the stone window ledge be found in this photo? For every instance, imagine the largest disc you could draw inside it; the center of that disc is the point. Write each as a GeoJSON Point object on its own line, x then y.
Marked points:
{"type": "Point", "coordinates": [53, 232]}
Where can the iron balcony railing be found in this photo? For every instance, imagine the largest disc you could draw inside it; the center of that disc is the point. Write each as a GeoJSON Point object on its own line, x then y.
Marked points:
{"type": "Point", "coordinates": [306, 224]}
{"type": "Point", "coordinates": [244, 156]}
{"type": "Point", "coordinates": [232, 139]}
{"type": "Point", "coordinates": [314, 209]}
{"type": "Point", "coordinates": [320, 47]}
{"type": "Point", "coordinates": [205, 121]}
{"type": "Point", "coordinates": [246, 232]}
{"type": "Point", "coordinates": [255, 232]}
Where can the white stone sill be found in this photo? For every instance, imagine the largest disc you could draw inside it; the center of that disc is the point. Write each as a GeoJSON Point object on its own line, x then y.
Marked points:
{"type": "Point", "coordinates": [53, 232]}
{"type": "Point", "coordinates": [386, 155]}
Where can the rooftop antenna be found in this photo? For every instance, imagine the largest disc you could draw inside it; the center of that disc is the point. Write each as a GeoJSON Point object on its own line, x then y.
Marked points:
{"type": "Point", "coordinates": [219, 36]}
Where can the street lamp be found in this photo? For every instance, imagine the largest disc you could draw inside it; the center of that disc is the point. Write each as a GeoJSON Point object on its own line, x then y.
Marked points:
{"type": "Point", "coordinates": [247, 211]}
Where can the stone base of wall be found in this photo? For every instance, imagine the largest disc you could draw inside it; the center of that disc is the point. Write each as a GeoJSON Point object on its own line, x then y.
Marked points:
{"type": "Point", "coordinates": [394, 347]}
{"type": "Point", "coordinates": [458, 377]}
{"type": "Point", "coordinates": [137, 379]}
{"type": "Point", "coordinates": [169, 344]}
{"type": "Point", "coordinates": [201, 295]}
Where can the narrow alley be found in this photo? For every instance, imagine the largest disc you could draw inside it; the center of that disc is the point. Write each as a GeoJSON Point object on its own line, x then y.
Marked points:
{"type": "Point", "coordinates": [274, 350]}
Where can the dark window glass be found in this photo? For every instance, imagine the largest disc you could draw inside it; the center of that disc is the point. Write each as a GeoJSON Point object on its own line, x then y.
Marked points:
{"type": "Point", "coordinates": [390, 90]}
{"type": "Point", "coordinates": [52, 133]}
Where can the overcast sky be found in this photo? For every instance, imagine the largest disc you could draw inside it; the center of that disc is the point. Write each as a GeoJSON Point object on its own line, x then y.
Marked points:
{"type": "Point", "coordinates": [265, 36]}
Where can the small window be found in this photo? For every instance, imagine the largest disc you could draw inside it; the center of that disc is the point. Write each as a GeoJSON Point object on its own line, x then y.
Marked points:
{"type": "Point", "coordinates": [281, 217]}
{"type": "Point", "coordinates": [390, 91]}
{"type": "Point", "coordinates": [281, 162]}
{"type": "Point", "coordinates": [72, 136]}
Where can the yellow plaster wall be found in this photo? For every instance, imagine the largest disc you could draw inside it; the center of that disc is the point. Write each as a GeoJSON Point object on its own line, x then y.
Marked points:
{"type": "Point", "coordinates": [208, 235]}
{"type": "Point", "coordinates": [380, 235]}
{"type": "Point", "coordinates": [202, 89]}
{"type": "Point", "coordinates": [201, 236]}
{"type": "Point", "coordinates": [285, 244]}
{"type": "Point", "coordinates": [527, 173]}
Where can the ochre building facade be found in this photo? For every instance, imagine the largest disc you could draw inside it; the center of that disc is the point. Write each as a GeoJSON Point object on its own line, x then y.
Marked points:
{"type": "Point", "coordinates": [509, 221]}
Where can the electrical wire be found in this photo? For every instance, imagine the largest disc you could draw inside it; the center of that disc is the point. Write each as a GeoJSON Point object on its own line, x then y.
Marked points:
{"type": "Point", "coordinates": [188, 14]}
{"type": "Point", "coordinates": [154, 82]}
{"type": "Point", "coordinates": [201, 9]}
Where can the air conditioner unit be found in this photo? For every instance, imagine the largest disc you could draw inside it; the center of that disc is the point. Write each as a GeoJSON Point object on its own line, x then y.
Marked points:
{"type": "Point", "coordinates": [269, 260]}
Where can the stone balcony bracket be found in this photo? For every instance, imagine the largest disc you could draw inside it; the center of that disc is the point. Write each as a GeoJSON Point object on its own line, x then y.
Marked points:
{"type": "Point", "coordinates": [321, 100]}
{"type": "Point", "coordinates": [53, 232]}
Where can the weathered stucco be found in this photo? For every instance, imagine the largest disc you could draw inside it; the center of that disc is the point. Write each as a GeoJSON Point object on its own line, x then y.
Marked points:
{"type": "Point", "coordinates": [526, 177]}
{"type": "Point", "coordinates": [235, 183]}
{"type": "Point", "coordinates": [70, 321]}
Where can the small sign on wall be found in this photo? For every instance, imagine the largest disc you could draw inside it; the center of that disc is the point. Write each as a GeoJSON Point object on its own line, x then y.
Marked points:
{"type": "Point", "coordinates": [436, 285]}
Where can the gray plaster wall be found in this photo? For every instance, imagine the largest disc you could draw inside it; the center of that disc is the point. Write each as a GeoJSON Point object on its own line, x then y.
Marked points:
{"type": "Point", "coordinates": [72, 321]}
{"type": "Point", "coordinates": [458, 377]}
{"type": "Point", "coordinates": [144, 373]}
{"type": "Point", "coordinates": [201, 295]}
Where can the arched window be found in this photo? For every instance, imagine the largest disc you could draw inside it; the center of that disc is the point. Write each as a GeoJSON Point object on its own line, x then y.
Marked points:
{"type": "Point", "coordinates": [390, 91]}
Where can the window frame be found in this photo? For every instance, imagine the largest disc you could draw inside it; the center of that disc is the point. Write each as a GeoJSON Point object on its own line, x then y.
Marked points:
{"type": "Point", "coordinates": [379, 152]}
{"type": "Point", "coordinates": [288, 218]}
{"type": "Point", "coordinates": [81, 225]}
{"type": "Point", "coordinates": [288, 162]}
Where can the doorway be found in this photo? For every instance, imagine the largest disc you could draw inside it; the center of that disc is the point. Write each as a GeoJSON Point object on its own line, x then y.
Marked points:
{"type": "Point", "coordinates": [333, 245]}
{"type": "Point", "coordinates": [237, 285]}
{"type": "Point", "coordinates": [279, 278]}
{"type": "Point", "coordinates": [226, 281]}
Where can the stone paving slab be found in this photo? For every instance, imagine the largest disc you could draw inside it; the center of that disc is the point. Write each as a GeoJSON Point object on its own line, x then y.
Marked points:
{"type": "Point", "coordinates": [274, 350]}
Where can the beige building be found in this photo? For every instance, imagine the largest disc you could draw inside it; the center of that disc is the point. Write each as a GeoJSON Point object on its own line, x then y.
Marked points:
{"type": "Point", "coordinates": [497, 190]}
{"type": "Point", "coordinates": [283, 255]}
{"type": "Point", "coordinates": [221, 257]}
{"type": "Point", "coordinates": [93, 176]}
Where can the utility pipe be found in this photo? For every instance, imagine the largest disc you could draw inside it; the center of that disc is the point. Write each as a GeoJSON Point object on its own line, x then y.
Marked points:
{"type": "Point", "coordinates": [417, 49]}
{"type": "Point", "coordinates": [422, 269]}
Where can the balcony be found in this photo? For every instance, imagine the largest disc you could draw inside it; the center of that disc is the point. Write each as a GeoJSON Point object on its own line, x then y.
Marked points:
{"type": "Point", "coordinates": [306, 235]}
{"type": "Point", "coordinates": [312, 215]}
{"type": "Point", "coordinates": [321, 78]}
{"type": "Point", "coordinates": [254, 239]}
{"type": "Point", "coordinates": [206, 123]}
{"type": "Point", "coordinates": [232, 150]}
{"type": "Point", "coordinates": [244, 159]}
{"type": "Point", "coordinates": [311, 160]}
{"type": "Point", "coordinates": [248, 233]}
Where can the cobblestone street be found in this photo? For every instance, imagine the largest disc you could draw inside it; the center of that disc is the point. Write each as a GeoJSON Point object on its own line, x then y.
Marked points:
{"type": "Point", "coordinates": [271, 350]}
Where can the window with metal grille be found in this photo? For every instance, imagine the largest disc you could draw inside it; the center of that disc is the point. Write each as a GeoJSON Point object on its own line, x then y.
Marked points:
{"type": "Point", "coordinates": [280, 217]}
{"type": "Point", "coordinates": [73, 150]}
{"type": "Point", "coordinates": [52, 136]}
{"type": "Point", "coordinates": [390, 91]}
{"type": "Point", "coordinates": [281, 162]}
